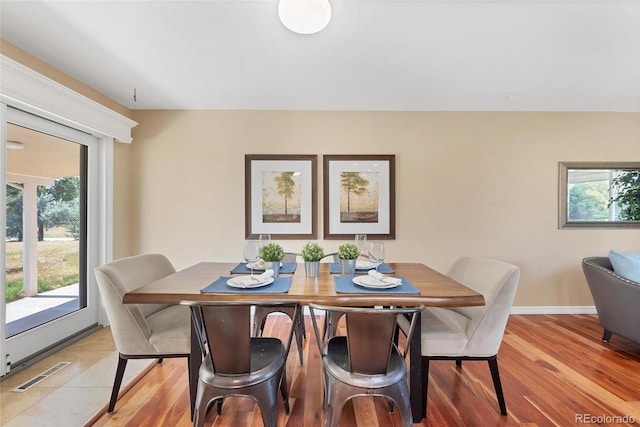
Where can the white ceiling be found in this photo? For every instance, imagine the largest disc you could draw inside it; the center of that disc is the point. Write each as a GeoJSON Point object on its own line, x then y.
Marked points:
{"type": "Point", "coordinates": [421, 55]}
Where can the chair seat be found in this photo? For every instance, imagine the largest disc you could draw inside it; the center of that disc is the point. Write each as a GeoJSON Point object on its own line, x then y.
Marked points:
{"type": "Point", "coordinates": [168, 331]}
{"type": "Point", "coordinates": [337, 364]}
{"type": "Point", "coordinates": [267, 357]}
{"type": "Point", "coordinates": [443, 332]}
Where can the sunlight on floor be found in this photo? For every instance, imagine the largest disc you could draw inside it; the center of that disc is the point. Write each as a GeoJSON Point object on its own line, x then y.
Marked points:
{"type": "Point", "coordinates": [71, 396]}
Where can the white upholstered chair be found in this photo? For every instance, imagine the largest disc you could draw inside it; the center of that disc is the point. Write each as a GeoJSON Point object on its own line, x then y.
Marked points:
{"type": "Point", "coordinates": [471, 333]}
{"type": "Point", "coordinates": [141, 331]}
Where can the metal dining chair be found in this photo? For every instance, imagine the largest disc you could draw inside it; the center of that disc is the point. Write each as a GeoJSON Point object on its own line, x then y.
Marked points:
{"type": "Point", "coordinates": [366, 361]}
{"type": "Point", "coordinates": [262, 311]}
{"type": "Point", "coordinates": [235, 363]}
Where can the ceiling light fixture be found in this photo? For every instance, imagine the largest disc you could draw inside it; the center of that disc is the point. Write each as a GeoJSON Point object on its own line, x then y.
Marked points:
{"type": "Point", "coordinates": [304, 16]}
{"type": "Point", "coordinates": [15, 145]}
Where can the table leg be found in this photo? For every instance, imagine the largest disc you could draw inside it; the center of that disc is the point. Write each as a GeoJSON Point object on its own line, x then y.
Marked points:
{"type": "Point", "coordinates": [195, 359]}
{"type": "Point", "coordinates": [415, 372]}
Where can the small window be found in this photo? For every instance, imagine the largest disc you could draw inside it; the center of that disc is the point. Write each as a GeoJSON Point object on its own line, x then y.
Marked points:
{"type": "Point", "coordinates": [599, 194]}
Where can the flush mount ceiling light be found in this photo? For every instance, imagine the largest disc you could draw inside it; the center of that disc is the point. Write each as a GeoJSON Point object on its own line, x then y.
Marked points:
{"type": "Point", "coordinates": [304, 16]}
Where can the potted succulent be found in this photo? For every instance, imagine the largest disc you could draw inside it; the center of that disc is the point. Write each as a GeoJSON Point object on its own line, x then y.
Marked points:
{"type": "Point", "coordinates": [348, 253]}
{"type": "Point", "coordinates": [312, 253]}
{"type": "Point", "coordinates": [272, 254]}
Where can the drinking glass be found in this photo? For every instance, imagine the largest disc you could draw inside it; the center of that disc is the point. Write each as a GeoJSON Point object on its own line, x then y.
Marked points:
{"type": "Point", "coordinates": [361, 243]}
{"type": "Point", "coordinates": [377, 253]}
{"type": "Point", "coordinates": [251, 252]}
{"type": "Point", "coordinates": [264, 239]}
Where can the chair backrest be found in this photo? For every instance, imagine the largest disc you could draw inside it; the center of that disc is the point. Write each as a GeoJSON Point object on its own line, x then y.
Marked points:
{"type": "Point", "coordinates": [333, 257]}
{"type": "Point", "coordinates": [128, 325]}
{"type": "Point", "coordinates": [224, 332]}
{"type": "Point", "coordinates": [290, 257]}
{"type": "Point", "coordinates": [616, 298]}
{"type": "Point", "coordinates": [497, 281]}
{"type": "Point", "coordinates": [370, 335]}
{"type": "Point", "coordinates": [599, 269]}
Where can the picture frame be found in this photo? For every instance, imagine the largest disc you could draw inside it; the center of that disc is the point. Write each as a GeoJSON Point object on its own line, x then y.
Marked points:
{"type": "Point", "coordinates": [281, 196]}
{"type": "Point", "coordinates": [359, 196]}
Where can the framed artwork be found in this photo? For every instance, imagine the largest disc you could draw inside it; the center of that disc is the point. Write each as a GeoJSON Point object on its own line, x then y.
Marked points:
{"type": "Point", "coordinates": [280, 196]}
{"type": "Point", "coordinates": [359, 196]}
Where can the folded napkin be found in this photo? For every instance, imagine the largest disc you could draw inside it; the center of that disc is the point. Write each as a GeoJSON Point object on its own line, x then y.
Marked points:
{"type": "Point", "coordinates": [334, 267]}
{"type": "Point", "coordinates": [381, 277]}
{"type": "Point", "coordinates": [248, 281]}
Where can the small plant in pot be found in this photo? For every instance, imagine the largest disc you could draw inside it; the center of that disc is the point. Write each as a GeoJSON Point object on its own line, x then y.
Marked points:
{"type": "Point", "coordinates": [348, 253]}
{"type": "Point", "coordinates": [312, 253]}
{"type": "Point", "coordinates": [272, 254]}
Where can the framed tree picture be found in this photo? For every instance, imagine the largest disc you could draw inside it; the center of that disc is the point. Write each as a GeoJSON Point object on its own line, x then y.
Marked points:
{"type": "Point", "coordinates": [280, 196]}
{"type": "Point", "coordinates": [359, 196]}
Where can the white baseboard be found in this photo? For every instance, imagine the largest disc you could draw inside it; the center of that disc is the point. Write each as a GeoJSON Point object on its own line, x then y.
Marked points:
{"type": "Point", "coordinates": [548, 309]}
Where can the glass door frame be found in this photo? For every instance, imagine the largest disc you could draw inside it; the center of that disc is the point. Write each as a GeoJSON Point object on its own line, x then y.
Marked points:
{"type": "Point", "coordinates": [24, 346]}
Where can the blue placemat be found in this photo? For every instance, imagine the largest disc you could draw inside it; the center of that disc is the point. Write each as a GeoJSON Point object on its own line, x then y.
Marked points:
{"type": "Point", "coordinates": [285, 268]}
{"type": "Point", "coordinates": [279, 286]}
{"type": "Point", "coordinates": [384, 268]}
{"type": "Point", "coordinates": [344, 285]}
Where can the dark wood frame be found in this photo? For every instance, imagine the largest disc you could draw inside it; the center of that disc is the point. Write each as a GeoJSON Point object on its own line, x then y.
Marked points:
{"type": "Point", "coordinates": [563, 171]}
{"type": "Point", "coordinates": [248, 159]}
{"type": "Point", "coordinates": [391, 159]}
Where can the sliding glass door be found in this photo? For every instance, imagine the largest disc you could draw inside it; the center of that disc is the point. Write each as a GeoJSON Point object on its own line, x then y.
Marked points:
{"type": "Point", "coordinates": [48, 183]}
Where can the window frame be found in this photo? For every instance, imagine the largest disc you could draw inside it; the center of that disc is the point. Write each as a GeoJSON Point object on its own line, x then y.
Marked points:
{"type": "Point", "coordinates": [563, 196]}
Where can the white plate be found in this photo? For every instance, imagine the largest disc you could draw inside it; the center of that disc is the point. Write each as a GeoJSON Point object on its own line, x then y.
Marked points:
{"type": "Point", "coordinates": [257, 265]}
{"type": "Point", "coordinates": [371, 283]}
{"type": "Point", "coordinates": [242, 282]}
{"type": "Point", "coordinates": [365, 265]}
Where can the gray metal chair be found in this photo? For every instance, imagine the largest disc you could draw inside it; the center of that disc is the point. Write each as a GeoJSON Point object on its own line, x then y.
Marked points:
{"type": "Point", "coordinates": [141, 331]}
{"type": "Point", "coordinates": [261, 313]}
{"type": "Point", "coordinates": [365, 362]}
{"type": "Point", "coordinates": [235, 363]}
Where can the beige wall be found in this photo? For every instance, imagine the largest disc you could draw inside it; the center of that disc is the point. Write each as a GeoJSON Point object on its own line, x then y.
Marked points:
{"type": "Point", "coordinates": [467, 183]}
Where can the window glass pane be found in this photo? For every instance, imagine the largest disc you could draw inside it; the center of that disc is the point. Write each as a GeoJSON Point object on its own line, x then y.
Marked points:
{"type": "Point", "coordinates": [44, 229]}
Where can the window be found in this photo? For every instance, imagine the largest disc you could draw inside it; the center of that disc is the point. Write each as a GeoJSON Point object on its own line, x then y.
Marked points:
{"type": "Point", "coordinates": [599, 194]}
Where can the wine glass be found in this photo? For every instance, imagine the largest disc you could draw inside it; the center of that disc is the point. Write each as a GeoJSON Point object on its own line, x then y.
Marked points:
{"type": "Point", "coordinates": [376, 253]}
{"type": "Point", "coordinates": [251, 252]}
{"type": "Point", "coordinates": [361, 243]}
{"type": "Point", "coordinates": [264, 239]}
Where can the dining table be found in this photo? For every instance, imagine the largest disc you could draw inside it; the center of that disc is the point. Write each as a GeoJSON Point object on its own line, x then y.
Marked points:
{"type": "Point", "coordinates": [421, 285]}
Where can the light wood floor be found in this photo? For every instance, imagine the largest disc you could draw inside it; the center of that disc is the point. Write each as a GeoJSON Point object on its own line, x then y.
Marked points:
{"type": "Point", "coordinates": [554, 369]}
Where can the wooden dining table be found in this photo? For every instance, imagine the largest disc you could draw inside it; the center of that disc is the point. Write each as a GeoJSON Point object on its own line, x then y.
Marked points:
{"type": "Point", "coordinates": [435, 290]}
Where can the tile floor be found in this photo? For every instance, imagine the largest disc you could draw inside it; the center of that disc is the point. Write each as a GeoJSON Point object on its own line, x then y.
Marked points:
{"type": "Point", "coordinates": [71, 396]}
